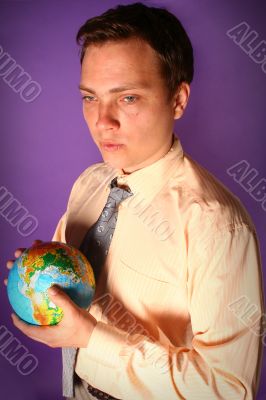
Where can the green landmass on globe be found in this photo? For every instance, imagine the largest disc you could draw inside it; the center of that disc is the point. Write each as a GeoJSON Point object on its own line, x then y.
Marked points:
{"type": "Point", "coordinates": [38, 268]}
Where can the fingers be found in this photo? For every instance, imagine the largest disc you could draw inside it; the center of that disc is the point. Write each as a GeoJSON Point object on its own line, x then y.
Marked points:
{"type": "Point", "coordinates": [63, 301]}
{"type": "Point", "coordinates": [18, 252]}
{"type": "Point", "coordinates": [9, 264]}
{"type": "Point", "coordinates": [36, 242]}
{"type": "Point", "coordinates": [43, 334]}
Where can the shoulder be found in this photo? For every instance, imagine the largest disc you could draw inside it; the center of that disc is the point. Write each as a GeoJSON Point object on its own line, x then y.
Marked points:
{"type": "Point", "coordinates": [91, 178]}
{"type": "Point", "coordinates": [94, 171]}
{"type": "Point", "coordinates": [209, 202]}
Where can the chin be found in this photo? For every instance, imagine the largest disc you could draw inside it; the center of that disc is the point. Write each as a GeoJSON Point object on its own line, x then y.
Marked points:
{"type": "Point", "coordinates": [114, 164]}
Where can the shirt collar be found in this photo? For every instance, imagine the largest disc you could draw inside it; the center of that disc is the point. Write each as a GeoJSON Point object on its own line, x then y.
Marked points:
{"type": "Point", "coordinates": [148, 181]}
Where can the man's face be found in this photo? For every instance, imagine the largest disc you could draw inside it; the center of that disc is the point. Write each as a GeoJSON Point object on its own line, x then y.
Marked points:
{"type": "Point", "coordinates": [125, 103]}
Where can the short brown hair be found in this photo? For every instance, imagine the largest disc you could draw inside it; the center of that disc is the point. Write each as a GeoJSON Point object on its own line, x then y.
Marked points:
{"type": "Point", "coordinates": [157, 26]}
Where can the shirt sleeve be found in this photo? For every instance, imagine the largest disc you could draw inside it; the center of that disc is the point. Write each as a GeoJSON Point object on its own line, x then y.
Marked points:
{"type": "Point", "coordinates": [225, 302]}
{"type": "Point", "coordinates": [60, 231]}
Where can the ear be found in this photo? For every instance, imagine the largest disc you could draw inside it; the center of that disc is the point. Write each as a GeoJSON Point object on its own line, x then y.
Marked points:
{"type": "Point", "coordinates": [180, 99]}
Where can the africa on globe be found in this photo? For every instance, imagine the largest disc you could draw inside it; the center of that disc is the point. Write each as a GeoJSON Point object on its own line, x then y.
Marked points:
{"type": "Point", "coordinates": [42, 266]}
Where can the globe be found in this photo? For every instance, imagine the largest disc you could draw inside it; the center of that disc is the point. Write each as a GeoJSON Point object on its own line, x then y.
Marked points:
{"type": "Point", "coordinates": [38, 268]}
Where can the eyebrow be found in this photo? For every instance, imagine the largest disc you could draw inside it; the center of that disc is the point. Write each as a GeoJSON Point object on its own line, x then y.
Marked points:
{"type": "Point", "coordinates": [116, 89]}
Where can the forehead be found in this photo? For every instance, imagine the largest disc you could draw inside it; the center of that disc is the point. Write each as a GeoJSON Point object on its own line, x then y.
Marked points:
{"type": "Point", "coordinates": [133, 59]}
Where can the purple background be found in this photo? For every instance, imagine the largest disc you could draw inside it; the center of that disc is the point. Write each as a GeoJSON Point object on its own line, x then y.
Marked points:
{"type": "Point", "coordinates": [45, 145]}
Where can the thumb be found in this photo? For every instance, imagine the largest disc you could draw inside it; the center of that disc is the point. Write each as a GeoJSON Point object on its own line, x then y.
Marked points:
{"type": "Point", "coordinates": [60, 298]}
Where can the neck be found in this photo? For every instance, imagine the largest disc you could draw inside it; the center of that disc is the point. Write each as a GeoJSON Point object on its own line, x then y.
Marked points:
{"type": "Point", "coordinates": [172, 142]}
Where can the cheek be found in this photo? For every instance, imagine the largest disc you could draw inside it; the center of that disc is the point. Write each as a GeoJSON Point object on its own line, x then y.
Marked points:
{"type": "Point", "coordinates": [90, 116]}
{"type": "Point", "coordinates": [144, 121]}
{"type": "Point", "coordinates": [86, 113]}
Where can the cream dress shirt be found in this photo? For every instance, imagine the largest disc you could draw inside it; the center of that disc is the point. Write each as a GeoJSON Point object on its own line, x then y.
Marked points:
{"type": "Point", "coordinates": [179, 302]}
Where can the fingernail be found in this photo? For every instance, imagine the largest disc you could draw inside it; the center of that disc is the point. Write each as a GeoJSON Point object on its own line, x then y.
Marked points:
{"type": "Point", "coordinates": [53, 290]}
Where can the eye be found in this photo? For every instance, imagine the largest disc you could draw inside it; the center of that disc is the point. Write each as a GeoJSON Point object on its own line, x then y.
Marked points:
{"type": "Point", "coordinates": [130, 99]}
{"type": "Point", "coordinates": [88, 99]}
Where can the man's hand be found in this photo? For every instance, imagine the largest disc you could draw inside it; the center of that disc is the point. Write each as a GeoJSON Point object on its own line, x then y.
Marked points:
{"type": "Point", "coordinates": [74, 330]}
{"type": "Point", "coordinates": [17, 254]}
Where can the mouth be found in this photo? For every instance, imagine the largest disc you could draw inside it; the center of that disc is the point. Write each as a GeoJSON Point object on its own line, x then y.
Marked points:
{"type": "Point", "coordinates": [110, 146]}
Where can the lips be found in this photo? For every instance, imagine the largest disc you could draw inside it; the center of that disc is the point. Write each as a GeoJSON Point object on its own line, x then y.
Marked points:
{"type": "Point", "coordinates": [110, 144]}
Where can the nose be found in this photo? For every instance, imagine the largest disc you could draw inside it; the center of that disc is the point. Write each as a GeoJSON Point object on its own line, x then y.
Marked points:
{"type": "Point", "coordinates": [107, 117]}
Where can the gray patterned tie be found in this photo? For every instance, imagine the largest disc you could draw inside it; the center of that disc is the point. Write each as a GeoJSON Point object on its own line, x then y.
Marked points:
{"type": "Point", "coordinates": [95, 246]}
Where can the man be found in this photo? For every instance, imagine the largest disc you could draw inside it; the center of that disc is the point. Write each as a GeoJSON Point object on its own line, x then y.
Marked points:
{"type": "Point", "coordinates": [184, 253]}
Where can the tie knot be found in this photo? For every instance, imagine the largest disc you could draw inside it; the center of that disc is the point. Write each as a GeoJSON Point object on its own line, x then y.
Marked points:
{"type": "Point", "coordinates": [117, 193]}
{"type": "Point", "coordinates": [113, 184]}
